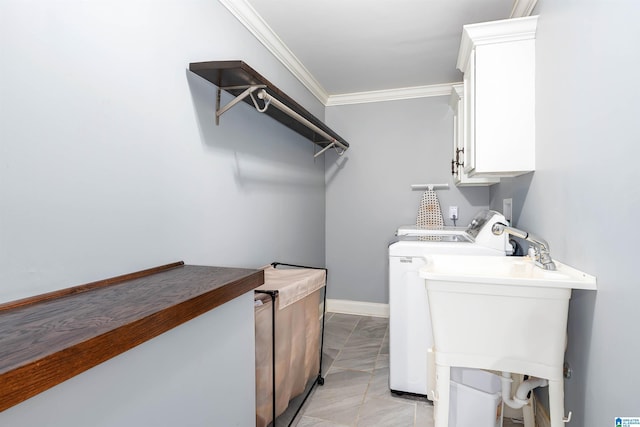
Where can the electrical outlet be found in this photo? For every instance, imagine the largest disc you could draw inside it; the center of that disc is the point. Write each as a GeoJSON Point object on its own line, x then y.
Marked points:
{"type": "Point", "coordinates": [453, 212]}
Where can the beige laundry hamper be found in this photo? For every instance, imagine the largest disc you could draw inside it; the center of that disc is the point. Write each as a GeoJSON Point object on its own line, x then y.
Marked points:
{"type": "Point", "coordinates": [290, 313]}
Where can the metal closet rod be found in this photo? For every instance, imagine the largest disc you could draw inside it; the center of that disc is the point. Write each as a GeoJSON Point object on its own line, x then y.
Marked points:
{"type": "Point", "coordinates": [270, 100]}
{"type": "Point", "coordinates": [429, 186]}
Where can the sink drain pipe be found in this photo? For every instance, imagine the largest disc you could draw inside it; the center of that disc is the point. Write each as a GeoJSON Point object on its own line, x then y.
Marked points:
{"type": "Point", "coordinates": [520, 399]}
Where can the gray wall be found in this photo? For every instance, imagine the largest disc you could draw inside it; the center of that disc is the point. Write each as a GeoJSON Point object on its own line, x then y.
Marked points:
{"type": "Point", "coordinates": [110, 158]}
{"type": "Point", "coordinates": [584, 197]}
{"type": "Point", "coordinates": [198, 374]}
{"type": "Point", "coordinates": [394, 144]}
{"type": "Point", "coordinates": [110, 162]}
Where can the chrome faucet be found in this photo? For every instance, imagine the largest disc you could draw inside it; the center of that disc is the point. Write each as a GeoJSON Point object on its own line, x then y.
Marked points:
{"type": "Point", "coordinates": [541, 247]}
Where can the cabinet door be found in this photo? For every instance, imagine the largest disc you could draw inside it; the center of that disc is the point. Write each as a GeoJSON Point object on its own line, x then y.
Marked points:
{"type": "Point", "coordinates": [455, 169]}
{"type": "Point", "coordinates": [460, 177]}
{"type": "Point", "coordinates": [503, 79]}
{"type": "Point", "coordinates": [458, 142]}
{"type": "Point", "coordinates": [469, 115]}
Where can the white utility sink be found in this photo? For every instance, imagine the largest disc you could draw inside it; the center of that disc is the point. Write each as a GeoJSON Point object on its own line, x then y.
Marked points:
{"type": "Point", "coordinates": [503, 314]}
{"type": "Point", "coordinates": [518, 271]}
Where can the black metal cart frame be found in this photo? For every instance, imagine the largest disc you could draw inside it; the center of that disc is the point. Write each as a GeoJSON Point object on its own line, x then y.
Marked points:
{"type": "Point", "coordinates": [319, 379]}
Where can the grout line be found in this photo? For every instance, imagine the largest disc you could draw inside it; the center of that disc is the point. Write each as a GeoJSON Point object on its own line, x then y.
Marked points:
{"type": "Point", "coordinates": [344, 344]}
{"type": "Point", "coordinates": [370, 372]}
{"type": "Point", "coordinates": [364, 395]}
{"type": "Point", "coordinates": [371, 379]}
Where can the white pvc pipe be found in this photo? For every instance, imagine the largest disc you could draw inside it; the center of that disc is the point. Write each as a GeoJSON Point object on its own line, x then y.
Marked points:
{"type": "Point", "coordinates": [520, 399]}
{"type": "Point", "coordinates": [528, 385]}
{"type": "Point", "coordinates": [506, 381]}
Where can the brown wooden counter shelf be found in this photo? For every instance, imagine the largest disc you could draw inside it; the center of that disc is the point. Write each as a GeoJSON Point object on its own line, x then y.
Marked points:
{"type": "Point", "coordinates": [47, 339]}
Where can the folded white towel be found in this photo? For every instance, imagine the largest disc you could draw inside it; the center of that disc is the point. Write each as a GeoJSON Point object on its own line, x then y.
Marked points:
{"type": "Point", "coordinates": [292, 284]}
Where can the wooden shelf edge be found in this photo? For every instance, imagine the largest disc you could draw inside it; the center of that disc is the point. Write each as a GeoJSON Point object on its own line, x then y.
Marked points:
{"type": "Point", "coordinates": [36, 376]}
{"type": "Point", "coordinates": [87, 287]}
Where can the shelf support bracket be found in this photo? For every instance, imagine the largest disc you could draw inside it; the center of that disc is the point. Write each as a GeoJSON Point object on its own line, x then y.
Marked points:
{"type": "Point", "coordinates": [248, 91]}
{"type": "Point", "coordinates": [333, 144]}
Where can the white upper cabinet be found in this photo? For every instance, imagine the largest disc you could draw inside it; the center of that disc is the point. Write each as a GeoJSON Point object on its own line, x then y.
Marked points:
{"type": "Point", "coordinates": [460, 177]}
{"type": "Point", "coordinates": [498, 62]}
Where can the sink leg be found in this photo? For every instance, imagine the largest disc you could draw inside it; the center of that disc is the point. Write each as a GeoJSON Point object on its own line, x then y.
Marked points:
{"type": "Point", "coordinates": [441, 407]}
{"type": "Point", "coordinates": [556, 402]}
{"type": "Point", "coordinates": [528, 414]}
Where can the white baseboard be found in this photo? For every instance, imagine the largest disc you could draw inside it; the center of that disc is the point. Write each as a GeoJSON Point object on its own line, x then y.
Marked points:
{"type": "Point", "coordinates": [360, 308]}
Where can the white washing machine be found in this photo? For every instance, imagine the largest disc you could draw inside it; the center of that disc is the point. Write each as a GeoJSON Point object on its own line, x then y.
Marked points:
{"type": "Point", "coordinates": [410, 334]}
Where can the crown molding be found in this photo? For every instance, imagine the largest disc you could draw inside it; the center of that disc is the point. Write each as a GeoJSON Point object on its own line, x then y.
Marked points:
{"type": "Point", "coordinates": [522, 8]}
{"type": "Point", "coordinates": [390, 94]}
{"type": "Point", "coordinates": [457, 93]}
{"type": "Point", "coordinates": [506, 30]}
{"type": "Point", "coordinates": [248, 17]}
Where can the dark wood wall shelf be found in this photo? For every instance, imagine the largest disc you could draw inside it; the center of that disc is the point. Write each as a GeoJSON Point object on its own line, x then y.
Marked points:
{"type": "Point", "coordinates": [236, 76]}
{"type": "Point", "coordinates": [50, 338]}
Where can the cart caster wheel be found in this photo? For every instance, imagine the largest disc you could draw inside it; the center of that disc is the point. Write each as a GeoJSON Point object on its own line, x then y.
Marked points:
{"type": "Point", "coordinates": [320, 381]}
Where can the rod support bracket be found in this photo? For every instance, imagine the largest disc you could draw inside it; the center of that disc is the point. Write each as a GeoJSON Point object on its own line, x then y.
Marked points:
{"type": "Point", "coordinates": [248, 91]}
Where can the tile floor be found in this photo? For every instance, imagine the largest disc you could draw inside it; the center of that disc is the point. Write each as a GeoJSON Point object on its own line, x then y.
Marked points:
{"type": "Point", "coordinates": [356, 390]}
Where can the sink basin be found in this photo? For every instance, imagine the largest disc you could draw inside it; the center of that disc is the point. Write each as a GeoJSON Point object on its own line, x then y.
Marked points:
{"type": "Point", "coordinates": [501, 310]}
{"type": "Point", "coordinates": [502, 314]}
{"type": "Point", "coordinates": [517, 271]}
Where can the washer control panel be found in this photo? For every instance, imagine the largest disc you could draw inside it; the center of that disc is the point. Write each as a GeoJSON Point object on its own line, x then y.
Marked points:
{"type": "Point", "coordinates": [479, 221]}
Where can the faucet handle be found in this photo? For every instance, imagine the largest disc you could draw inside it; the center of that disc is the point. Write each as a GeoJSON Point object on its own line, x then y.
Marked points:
{"type": "Point", "coordinates": [541, 254]}
{"type": "Point", "coordinates": [542, 257]}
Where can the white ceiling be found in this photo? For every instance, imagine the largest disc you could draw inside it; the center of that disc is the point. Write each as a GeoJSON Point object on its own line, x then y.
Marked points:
{"type": "Point", "coordinates": [339, 48]}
